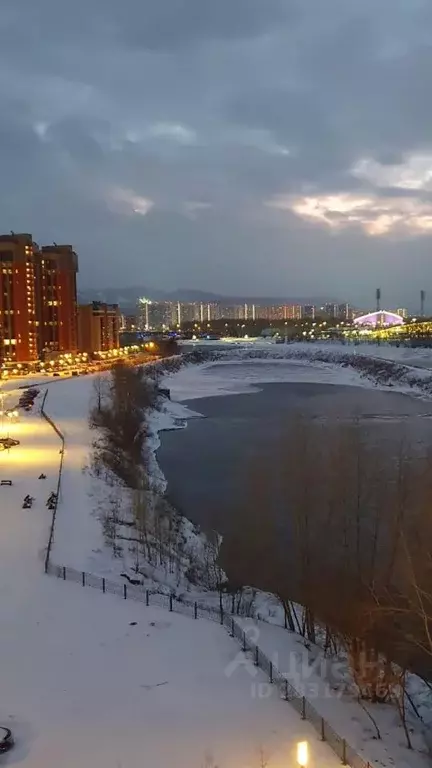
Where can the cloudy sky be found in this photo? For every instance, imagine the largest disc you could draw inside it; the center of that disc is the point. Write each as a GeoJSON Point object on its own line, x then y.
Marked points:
{"type": "Point", "coordinates": [242, 146]}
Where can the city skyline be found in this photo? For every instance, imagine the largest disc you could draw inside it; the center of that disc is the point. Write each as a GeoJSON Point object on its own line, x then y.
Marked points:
{"type": "Point", "coordinates": [247, 147]}
{"type": "Point", "coordinates": [129, 295]}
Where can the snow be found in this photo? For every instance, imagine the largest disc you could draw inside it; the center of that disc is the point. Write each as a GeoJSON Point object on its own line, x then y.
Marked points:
{"type": "Point", "coordinates": [101, 687]}
{"type": "Point", "coordinates": [378, 366]}
{"type": "Point", "coordinates": [78, 532]}
{"type": "Point", "coordinates": [78, 536]}
{"type": "Point", "coordinates": [322, 682]}
{"type": "Point", "coordinates": [412, 356]}
{"type": "Point", "coordinates": [83, 685]}
{"type": "Point", "coordinates": [172, 415]}
{"type": "Point", "coordinates": [233, 377]}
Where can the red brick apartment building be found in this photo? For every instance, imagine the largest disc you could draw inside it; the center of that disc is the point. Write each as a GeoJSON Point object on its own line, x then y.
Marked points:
{"type": "Point", "coordinates": [38, 305]}
{"type": "Point", "coordinates": [57, 293]}
{"type": "Point", "coordinates": [19, 323]}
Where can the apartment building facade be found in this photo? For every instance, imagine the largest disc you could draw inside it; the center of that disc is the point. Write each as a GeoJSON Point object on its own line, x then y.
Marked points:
{"type": "Point", "coordinates": [98, 327]}
{"type": "Point", "coordinates": [38, 306]}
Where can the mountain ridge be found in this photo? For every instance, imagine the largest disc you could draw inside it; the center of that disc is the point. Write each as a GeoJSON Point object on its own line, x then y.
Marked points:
{"type": "Point", "coordinates": [127, 297]}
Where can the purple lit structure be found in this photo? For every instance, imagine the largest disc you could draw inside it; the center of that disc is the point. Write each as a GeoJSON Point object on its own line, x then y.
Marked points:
{"type": "Point", "coordinates": [380, 318]}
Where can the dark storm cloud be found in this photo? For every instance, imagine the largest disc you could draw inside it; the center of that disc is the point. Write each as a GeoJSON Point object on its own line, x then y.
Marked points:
{"type": "Point", "coordinates": [153, 24]}
{"type": "Point", "coordinates": [239, 145]}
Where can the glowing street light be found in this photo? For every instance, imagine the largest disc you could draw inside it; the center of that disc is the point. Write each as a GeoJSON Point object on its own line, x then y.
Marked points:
{"type": "Point", "coordinates": [302, 753]}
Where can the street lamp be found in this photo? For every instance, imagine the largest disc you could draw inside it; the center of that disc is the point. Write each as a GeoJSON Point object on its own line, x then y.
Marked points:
{"type": "Point", "coordinates": [302, 753]}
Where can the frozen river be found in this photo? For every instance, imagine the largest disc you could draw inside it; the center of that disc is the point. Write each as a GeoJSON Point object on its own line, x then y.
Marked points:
{"type": "Point", "coordinates": [206, 464]}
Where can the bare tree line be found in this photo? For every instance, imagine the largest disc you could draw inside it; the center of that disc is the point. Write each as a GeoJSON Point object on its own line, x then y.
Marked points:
{"type": "Point", "coordinates": [135, 518]}
{"type": "Point", "coordinates": [332, 522]}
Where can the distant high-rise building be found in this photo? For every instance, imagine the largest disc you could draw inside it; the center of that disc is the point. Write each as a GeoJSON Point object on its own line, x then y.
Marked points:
{"type": "Point", "coordinates": [293, 312]}
{"type": "Point", "coordinates": [128, 324]}
{"type": "Point", "coordinates": [213, 310]}
{"type": "Point", "coordinates": [189, 312]}
{"type": "Point", "coordinates": [161, 315]}
{"type": "Point", "coordinates": [403, 312]}
{"type": "Point", "coordinates": [309, 311]}
{"type": "Point", "coordinates": [232, 311]}
{"type": "Point", "coordinates": [345, 312]}
{"type": "Point", "coordinates": [261, 313]}
{"type": "Point", "coordinates": [157, 315]}
{"type": "Point", "coordinates": [332, 310]}
{"type": "Point", "coordinates": [276, 312]}
{"type": "Point", "coordinates": [249, 312]}
{"type": "Point", "coordinates": [98, 327]}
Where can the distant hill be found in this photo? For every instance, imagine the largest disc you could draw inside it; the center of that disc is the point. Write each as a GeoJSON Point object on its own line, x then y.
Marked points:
{"type": "Point", "coordinates": [127, 297]}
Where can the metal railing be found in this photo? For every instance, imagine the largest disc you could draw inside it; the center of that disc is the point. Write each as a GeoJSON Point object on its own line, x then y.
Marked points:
{"type": "Point", "coordinates": [344, 751]}
{"type": "Point", "coordinates": [62, 450]}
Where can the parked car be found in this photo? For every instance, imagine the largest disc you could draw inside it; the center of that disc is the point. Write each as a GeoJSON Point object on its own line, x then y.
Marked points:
{"type": "Point", "coordinates": [6, 739]}
{"type": "Point", "coordinates": [7, 442]}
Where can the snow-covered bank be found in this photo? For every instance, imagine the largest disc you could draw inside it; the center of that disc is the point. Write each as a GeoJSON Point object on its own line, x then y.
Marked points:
{"type": "Point", "coordinates": [83, 539]}
{"type": "Point", "coordinates": [241, 373]}
{"type": "Point", "coordinates": [367, 365]}
{"type": "Point", "coordinates": [170, 415]}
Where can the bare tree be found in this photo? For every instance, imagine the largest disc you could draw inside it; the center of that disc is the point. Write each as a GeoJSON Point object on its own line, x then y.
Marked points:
{"type": "Point", "coordinates": [100, 390]}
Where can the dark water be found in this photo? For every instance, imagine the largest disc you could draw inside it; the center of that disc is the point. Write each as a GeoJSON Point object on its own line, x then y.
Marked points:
{"type": "Point", "coordinates": [207, 463]}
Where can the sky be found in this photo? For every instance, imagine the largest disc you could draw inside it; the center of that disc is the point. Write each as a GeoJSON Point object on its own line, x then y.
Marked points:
{"type": "Point", "coordinates": [256, 147]}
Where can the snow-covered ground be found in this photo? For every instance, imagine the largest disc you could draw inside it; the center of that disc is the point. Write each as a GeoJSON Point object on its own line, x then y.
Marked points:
{"type": "Point", "coordinates": [234, 377]}
{"type": "Point", "coordinates": [92, 680]}
{"type": "Point", "coordinates": [78, 534]}
{"type": "Point", "coordinates": [323, 682]}
{"type": "Point", "coordinates": [77, 624]}
{"type": "Point", "coordinates": [406, 370]}
{"type": "Point", "coordinates": [79, 539]}
{"type": "Point", "coordinates": [415, 356]}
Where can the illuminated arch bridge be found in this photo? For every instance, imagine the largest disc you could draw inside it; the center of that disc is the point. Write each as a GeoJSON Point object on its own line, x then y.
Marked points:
{"type": "Point", "coordinates": [380, 319]}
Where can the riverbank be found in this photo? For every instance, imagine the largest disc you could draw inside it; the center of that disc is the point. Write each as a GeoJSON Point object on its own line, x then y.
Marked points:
{"type": "Point", "coordinates": [380, 365]}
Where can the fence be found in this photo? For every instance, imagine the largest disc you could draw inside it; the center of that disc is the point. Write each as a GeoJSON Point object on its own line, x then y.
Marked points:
{"type": "Point", "coordinates": [346, 754]}
{"type": "Point", "coordinates": [62, 450]}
